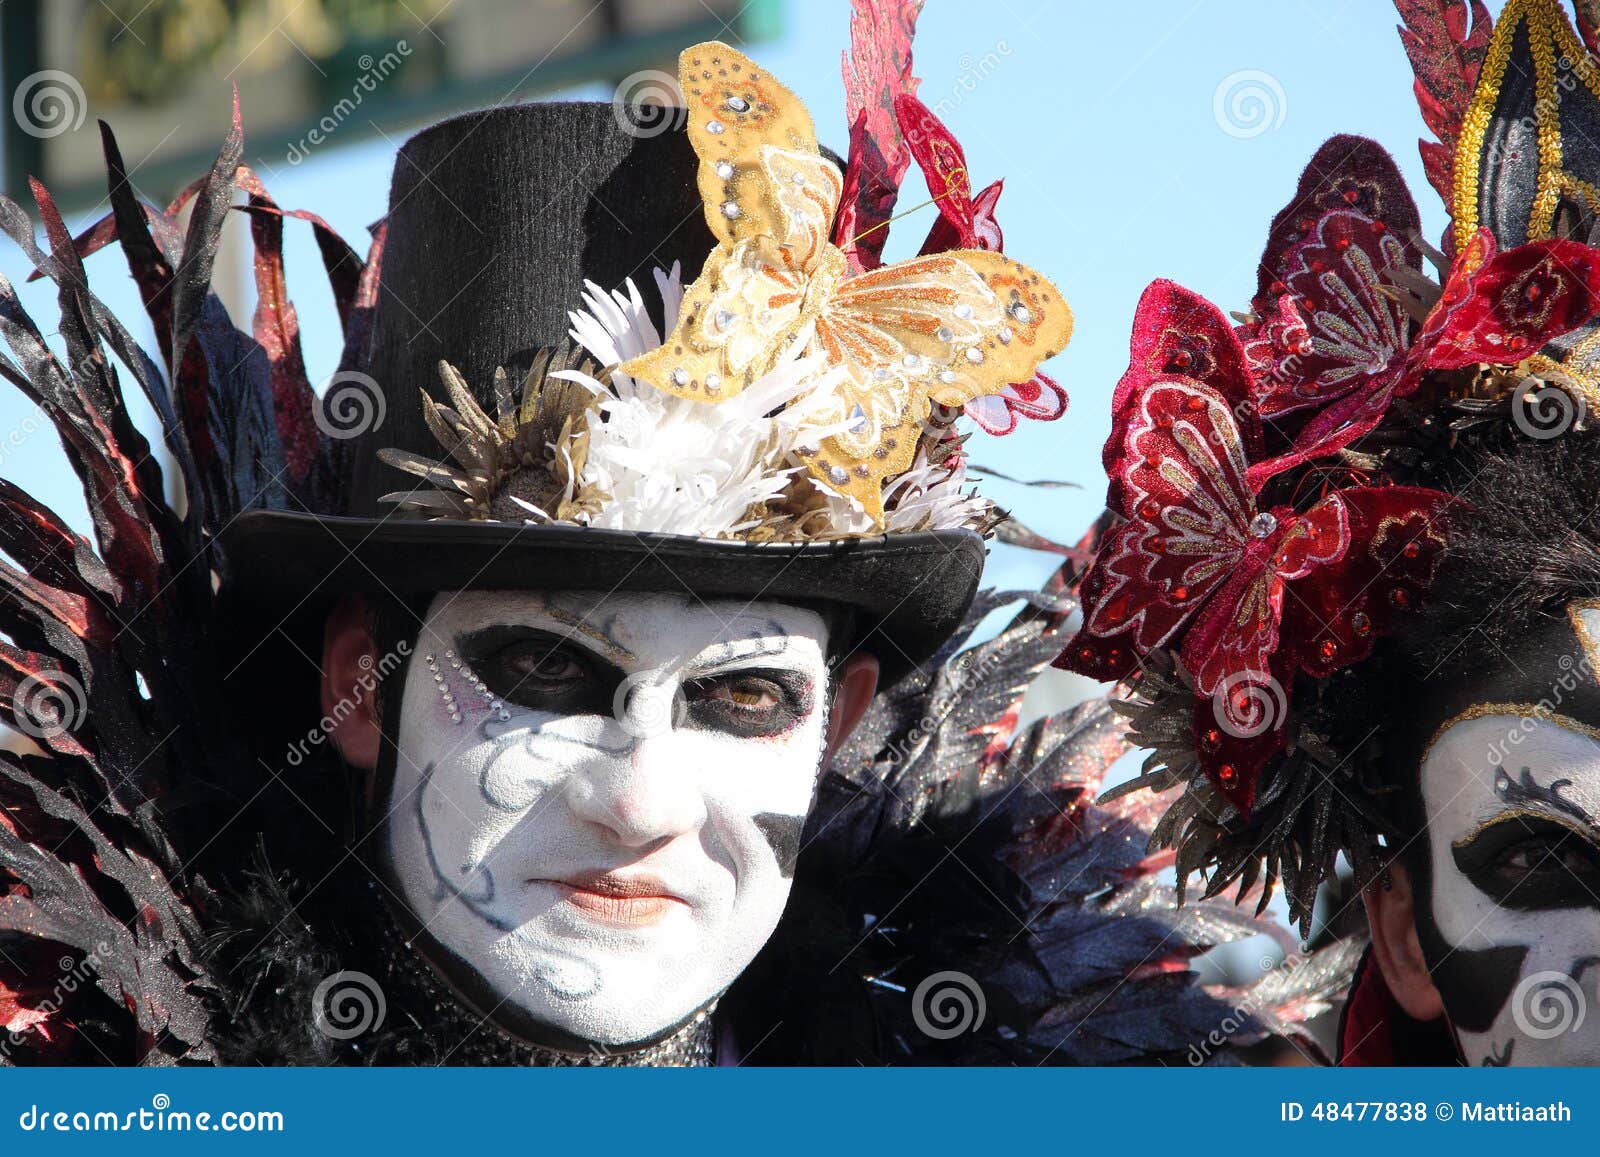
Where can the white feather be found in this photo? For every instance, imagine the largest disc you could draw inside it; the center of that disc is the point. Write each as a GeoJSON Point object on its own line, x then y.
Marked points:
{"type": "Point", "coordinates": [678, 466]}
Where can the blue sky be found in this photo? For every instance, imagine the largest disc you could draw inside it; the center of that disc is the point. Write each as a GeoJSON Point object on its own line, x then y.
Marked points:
{"type": "Point", "coordinates": [1102, 118]}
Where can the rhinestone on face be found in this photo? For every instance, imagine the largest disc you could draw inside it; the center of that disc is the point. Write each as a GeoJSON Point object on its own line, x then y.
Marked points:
{"type": "Point", "coordinates": [943, 333]}
{"type": "Point", "coordinates": [947, 376]}
{"type": "Point", "coordinates": [963, 311]}
{"type": "Point", "coordinates": [881, 374]}
{"type": "Point", "coordinates": [1005, 335]}
{"type": "Point", "coordinates": [1263, 524]}
{"type": "Point", "coordinates": [713, 382]}
{"type": "Point", "coordinates": [725, 170]}
{"type": "Point", "coordinates": [716, 128]}
{"type": "Point", "coordinates": [1020, 312]}
{"type": "Point", "coordinates": [839, 475]}
{"type": "Point", "coordinates": [737, 104]}
{"type": "Point", "coordinates": [680, 377]}
{"type": "Point", "coordinates": [724, 319]}
{"type": "Point", "coordinates": [730, 210]}
{"type": "Point", "coordinates": [911, 361]}
{"type": "Point", "coordinates": [799, 180]}
{"type": "Point", "coordinates": [975, 355]}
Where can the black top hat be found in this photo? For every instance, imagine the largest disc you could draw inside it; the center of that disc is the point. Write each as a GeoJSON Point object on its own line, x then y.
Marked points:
{"type": "Point", "coordinates": [496, 220]}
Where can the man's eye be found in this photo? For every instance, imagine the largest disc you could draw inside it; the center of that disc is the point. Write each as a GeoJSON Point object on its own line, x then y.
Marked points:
{"type": "Point", "coordinates": [744, 704]}
{"type": "Point", "coordinates": [1533, 864]}
{"type": "Point", "coordinates": [748, 694]}
{"type": "Point", "coordinates": [541, 673]}
{"type": "Point", "coordinates": [1532, 856]}
{"type": "Point", "coordinates": [536, 664]}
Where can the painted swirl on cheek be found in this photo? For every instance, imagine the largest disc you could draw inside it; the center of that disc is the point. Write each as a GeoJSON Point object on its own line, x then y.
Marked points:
{"type": "Point", "coordinates": [783, 834]}
{"type": "Point", "coordinates": [476, 888]}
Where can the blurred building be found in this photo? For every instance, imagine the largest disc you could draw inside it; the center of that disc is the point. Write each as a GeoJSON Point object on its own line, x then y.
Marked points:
{"type": "Point", "coordinates": [310, 73]}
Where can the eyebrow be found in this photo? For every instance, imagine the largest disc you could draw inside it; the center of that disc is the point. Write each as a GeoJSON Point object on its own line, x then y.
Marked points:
{"type": "Point", "coordinates": [766, 640]}
{"type": "Point", "coordinates": [1528, 794]}
{"type": "Point", "coordinates": [561, 630]}
{"type": "Point", "coordinates": [583, 625]}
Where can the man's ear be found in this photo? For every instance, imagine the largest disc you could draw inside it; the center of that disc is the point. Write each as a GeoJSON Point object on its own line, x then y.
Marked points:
{"type": "Point", "coordinates": [1392, 917]}
{"type": "Point", "coordinates": [349, 694]}
{"type": "Point", "coordinates": [854, 685]}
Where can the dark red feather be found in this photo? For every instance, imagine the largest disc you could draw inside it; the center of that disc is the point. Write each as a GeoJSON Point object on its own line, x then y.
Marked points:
{"type": "Point", "coordinates": [876, 69]}
{"type": "Point", "coordinates": [1446, 41]}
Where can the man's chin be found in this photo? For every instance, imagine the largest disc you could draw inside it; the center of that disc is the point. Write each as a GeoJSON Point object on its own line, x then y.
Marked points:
{"type": "Point", "coordinates": [596, 1024]}
{"type": "Point", "coordinates": [558, 996]}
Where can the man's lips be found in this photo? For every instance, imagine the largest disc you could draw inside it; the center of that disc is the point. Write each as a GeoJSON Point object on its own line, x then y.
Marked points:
{"type": "Point", "coordinates": [629, 898]}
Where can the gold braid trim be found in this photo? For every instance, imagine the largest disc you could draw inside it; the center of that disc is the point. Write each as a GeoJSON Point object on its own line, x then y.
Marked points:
{"type": "Point", "coordinates": [1551, 40]}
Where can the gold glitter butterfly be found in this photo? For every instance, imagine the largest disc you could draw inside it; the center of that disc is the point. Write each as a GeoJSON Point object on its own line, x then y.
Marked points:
{"type": "Point", "coordinates": [943, 328]}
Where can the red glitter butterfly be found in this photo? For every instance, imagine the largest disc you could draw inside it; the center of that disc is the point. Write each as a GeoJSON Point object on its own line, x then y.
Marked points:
{"type": "Point", "coordinates": [1247, 596]}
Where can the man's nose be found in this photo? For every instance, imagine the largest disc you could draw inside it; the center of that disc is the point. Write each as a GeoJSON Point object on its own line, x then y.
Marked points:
{"type": "Point", "coordinates": [645, 796]}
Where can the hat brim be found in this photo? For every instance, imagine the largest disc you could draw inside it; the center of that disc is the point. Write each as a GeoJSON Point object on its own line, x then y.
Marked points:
{"type": "Point", "coordinates": [910, 591]}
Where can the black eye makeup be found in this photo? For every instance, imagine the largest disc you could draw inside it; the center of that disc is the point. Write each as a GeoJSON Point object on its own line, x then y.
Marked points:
{"type": "Point", "coordinates": [1529, 862]}
{"type": "Point", "coordinates": [544, 671]}
{"type": "Point", "coordinates": [540, 670]}
{"type": "Point", "coordinates": [750, 703]}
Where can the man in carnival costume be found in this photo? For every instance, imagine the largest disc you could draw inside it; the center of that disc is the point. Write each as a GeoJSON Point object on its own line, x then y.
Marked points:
{"type": "Point", "coordinates": [1355, 568]}
{"type": "Point", "coordinates": [571, 693]}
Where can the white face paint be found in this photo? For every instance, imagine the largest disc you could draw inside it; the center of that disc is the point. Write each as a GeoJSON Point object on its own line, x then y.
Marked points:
{"type": "Point", "coordinates": [1515, 859]}
{"type": "Point", "coordinates": [605, 838]}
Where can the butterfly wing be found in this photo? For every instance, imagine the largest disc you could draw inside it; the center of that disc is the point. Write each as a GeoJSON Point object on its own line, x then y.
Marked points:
{"type": "Point", "coordinates": [1509, 304]}
{"type": "Point", "coordinates": [1040, 399]}
{"type": "Point", "coordinates": [1334, 614]}
{"type": "Point", "coordinates": [1235, 640]}
{"type": "Point", "coordinates": [1176, 332]}
{"type": "Point", "coordinates": [1189, 508]}
{"type": "Point", "coordinates": [944, 166]}
{"type": "Point", "coordinates": [761, 175]}
{"type": "Point", "coordinates": [1355, 336]}
{"type": "Point", "coordinates": [734, 323]}
{"type": "Point", "coordinates": [946, 328]}
{"type": "Point", "coordinates": [770, 198]}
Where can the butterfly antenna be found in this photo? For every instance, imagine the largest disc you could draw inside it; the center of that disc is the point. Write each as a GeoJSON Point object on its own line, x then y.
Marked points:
{"type": "Point", "coordinates": [950, 187]}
